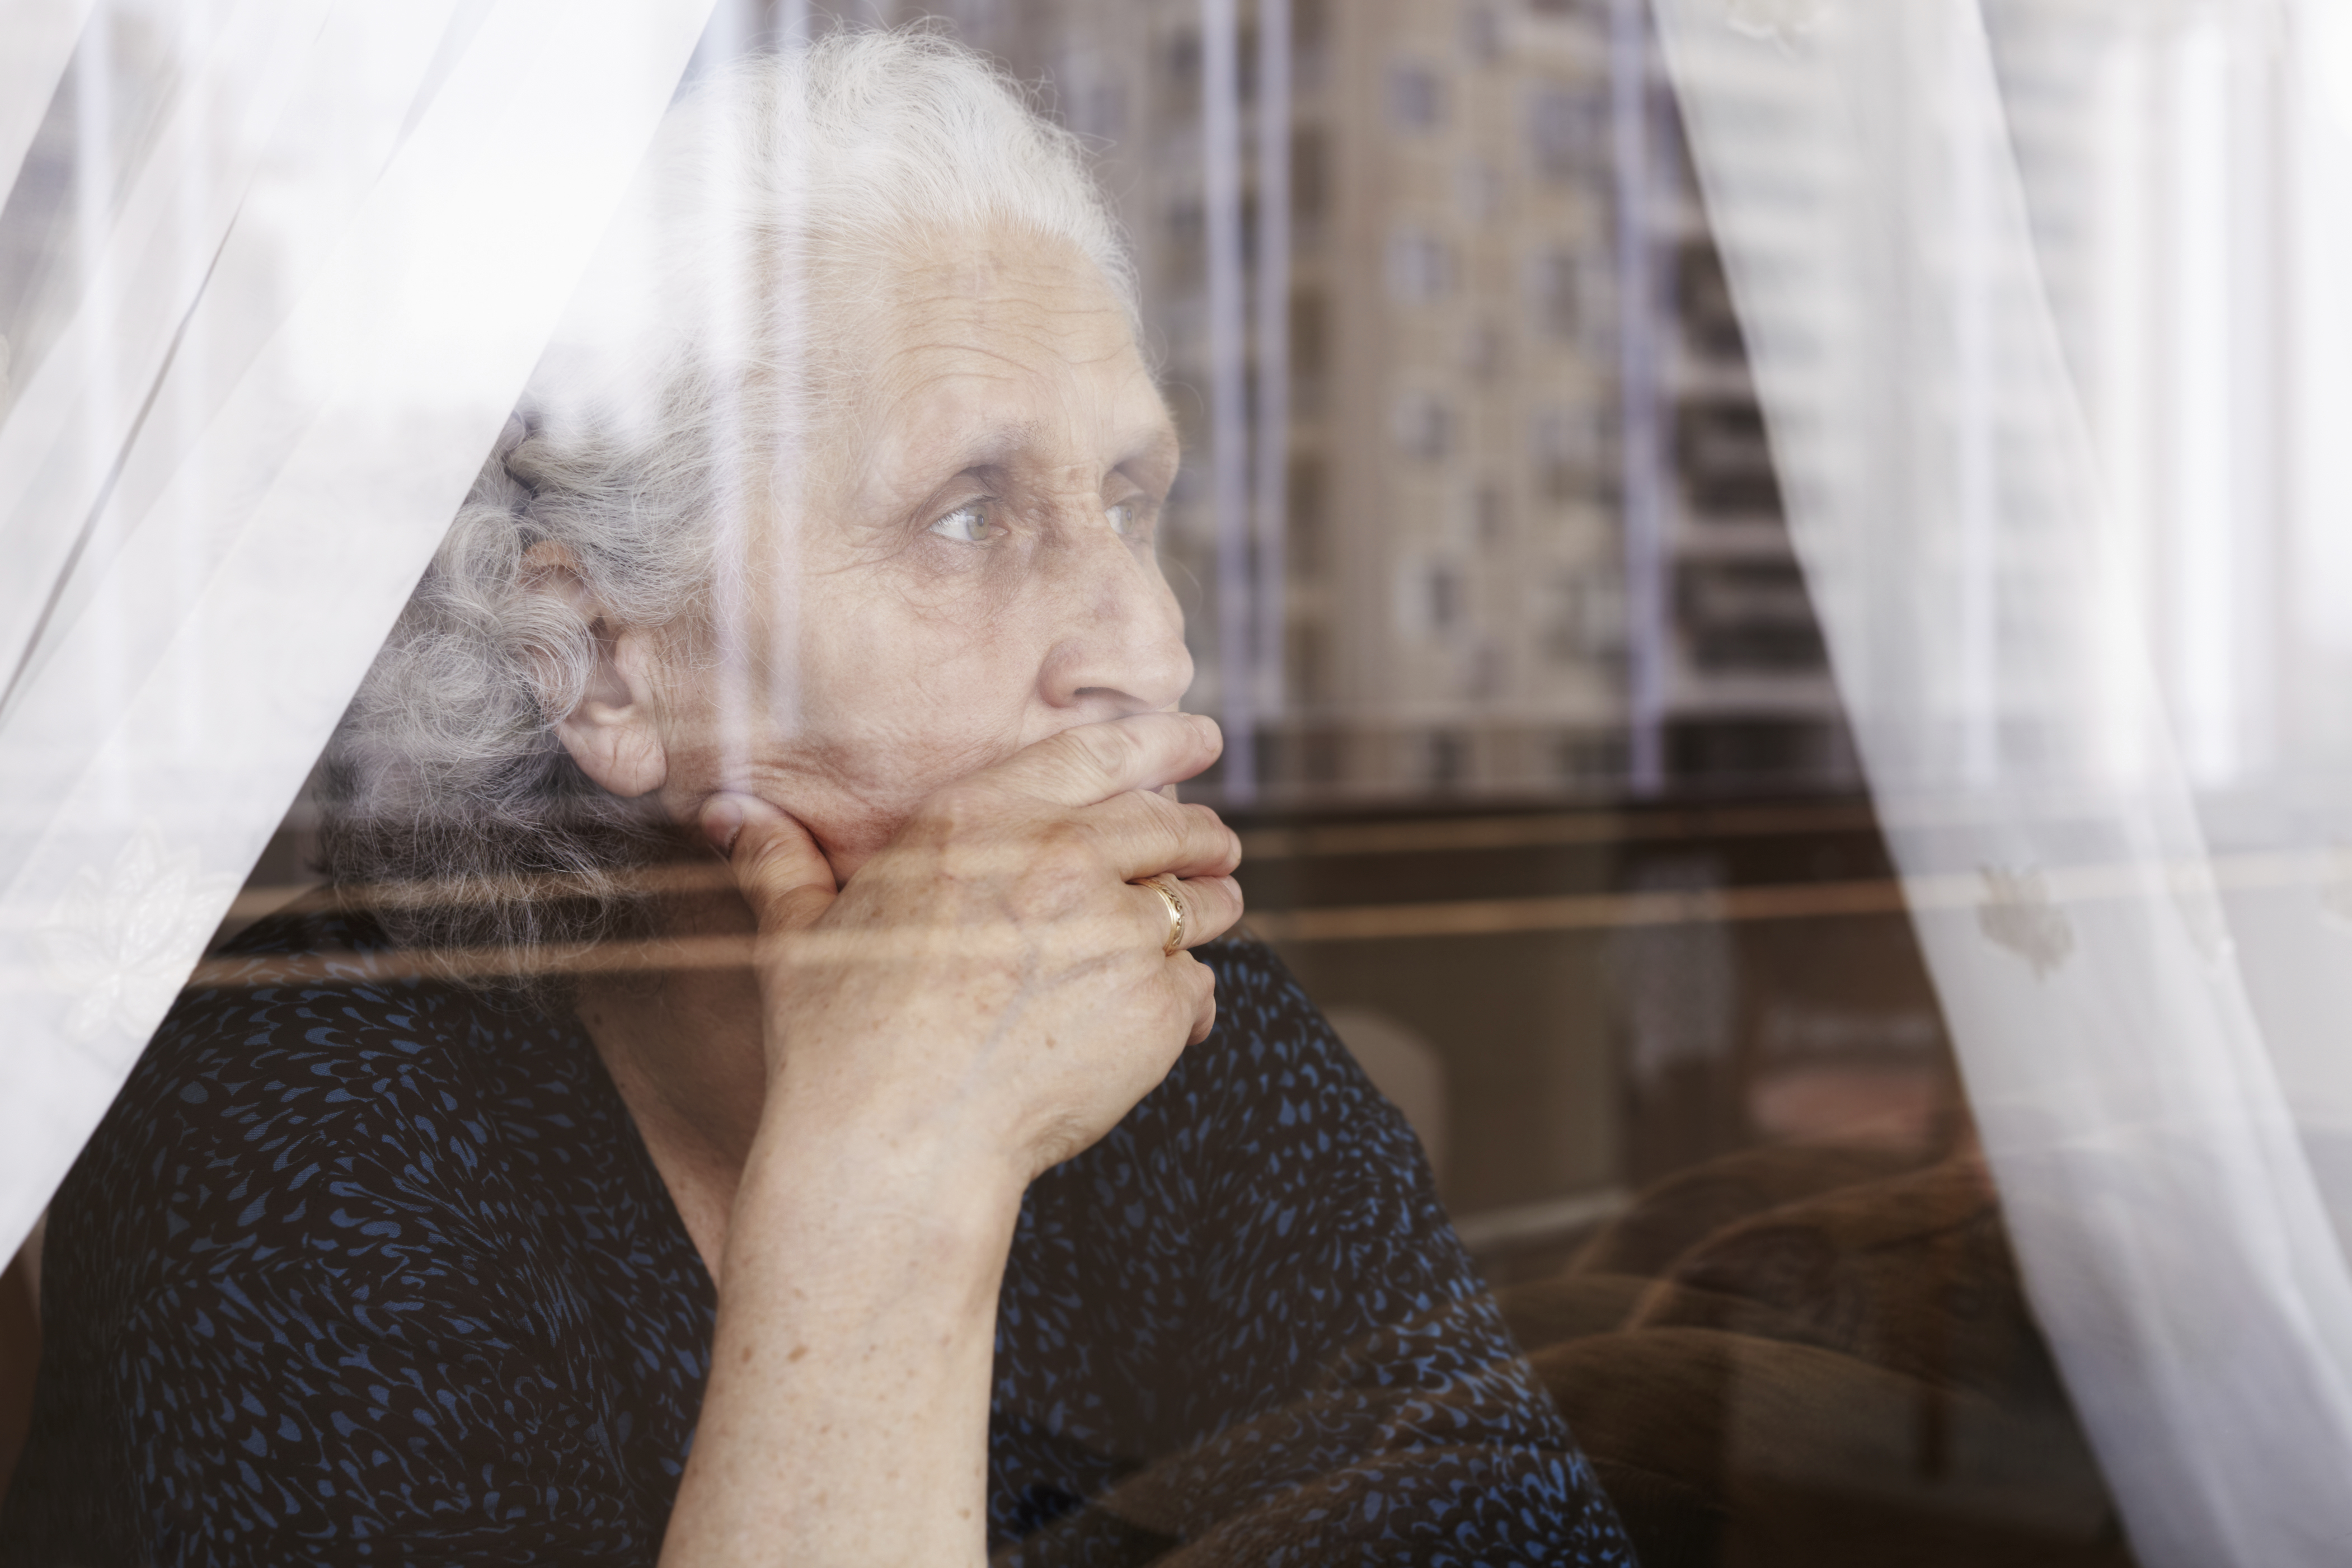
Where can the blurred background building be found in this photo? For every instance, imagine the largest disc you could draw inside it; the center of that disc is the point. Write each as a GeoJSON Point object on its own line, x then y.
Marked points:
{"type": "Point", "coordinates": [1510, 527]}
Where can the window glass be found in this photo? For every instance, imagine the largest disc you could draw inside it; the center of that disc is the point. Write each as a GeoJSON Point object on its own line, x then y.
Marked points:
{"type": "Point", "coordinates": [1764, 896]}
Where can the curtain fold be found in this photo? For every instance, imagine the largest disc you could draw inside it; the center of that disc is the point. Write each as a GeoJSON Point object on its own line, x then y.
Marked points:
{"type": "Point", "coordinates": [40, 35]}
{"type": "Point", "coordinates": [2012, 601]}
{"type": "Point", "coordinates": [275, 287]}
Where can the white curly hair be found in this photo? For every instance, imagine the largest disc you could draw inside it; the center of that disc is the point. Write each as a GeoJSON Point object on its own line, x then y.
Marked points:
{"type": "Point", "coordinates": [667, 409]}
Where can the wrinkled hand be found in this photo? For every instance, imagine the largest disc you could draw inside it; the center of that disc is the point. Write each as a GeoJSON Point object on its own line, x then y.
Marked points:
{"type": "Point", "coordinates": [993, 978]}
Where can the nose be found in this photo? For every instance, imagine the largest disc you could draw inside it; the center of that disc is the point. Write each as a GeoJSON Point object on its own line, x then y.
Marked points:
{"type": "Point", "coordinates": [1117, 643]}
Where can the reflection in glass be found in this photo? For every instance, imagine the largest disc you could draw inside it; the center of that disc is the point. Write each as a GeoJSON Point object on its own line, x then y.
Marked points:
{"type": "Point", "coordinates": [1770, 575]}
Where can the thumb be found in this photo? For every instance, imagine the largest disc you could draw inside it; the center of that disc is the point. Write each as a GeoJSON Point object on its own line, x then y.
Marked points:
{"type": "Point", "coordinates": [781, 873]}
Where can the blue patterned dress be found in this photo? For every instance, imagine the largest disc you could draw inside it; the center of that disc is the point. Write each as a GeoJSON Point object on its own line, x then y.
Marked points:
{"type": "Point", "coordinates": [380, 1272]}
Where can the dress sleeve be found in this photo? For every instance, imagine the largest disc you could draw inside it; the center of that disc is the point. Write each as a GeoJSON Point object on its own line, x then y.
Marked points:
{"type": "Point", "coordinates": [1349, 1391]}
{"type": "Point", "coordinates": [275, 1335]}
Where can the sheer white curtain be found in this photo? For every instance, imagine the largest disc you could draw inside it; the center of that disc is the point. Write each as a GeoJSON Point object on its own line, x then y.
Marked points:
{"type": "Point", "coordinates": [272, 273]}
{"type": "Point", "coordinates": [2043, 300]}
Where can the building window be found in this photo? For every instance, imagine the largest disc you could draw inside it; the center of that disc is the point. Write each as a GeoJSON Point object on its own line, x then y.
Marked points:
{"type": "Point", "coordinates": [1724, 458]}
{"type": "Point", "coordinates": [1432, 600]}
{"type": "Point", "coordinates": [1310, 173]}
{"type": "Point", "coordinates": [1482, 35]}
{"type": "Point", "coordinates": [1179, 69]}
{"type": "Point", "coordinates": [1422, 423]}
{"type": "Point", "coordinates": [1567, 453]}
{"type": "Point", "coordinates": [1421, 267]}
{"type": "Point", "coordinates": [1310, 335]}
{"type": "Point", "coordinates": [1748, 616]}
{"type": "Point", "coordinates": [1444, 588]}
{"type": "Point", "coordinates": [1559, 294]}
{"type": "Point", "coordinates": [1477, 190]}
{"type": "Point", "coordinates": [1579, 618]}
{"type": "Point", "coordinates": [1591, 759]}
{"type": "Point", "coordinates": [1493, 522]}
{"type": "Point", "coordinates": [1484, 352]}
{"type": "Point", "coordinates": [1710, 324]}
{"type": "Point", "coordinates": [1449, 760]}
{"type": "Point", "coordinates": [1183, 259]}
{"type": "Point", "coordinates": [1305, 522]}
{"type": "Point", "coordinates": [1100, 111]}
{"type": "Point", "coordinates": [1308, 667]}
{"type": "Point", "coordinates": [1309, 24]}
{"type": "Point", "coordinates": [1563, 132]}
{"type": "Point", "coordinates": [1416, 96]}
{"type": "Point", "coordinates": [1488, 669]}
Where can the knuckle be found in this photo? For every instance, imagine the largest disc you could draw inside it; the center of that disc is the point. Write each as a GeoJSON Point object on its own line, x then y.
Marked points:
{"type": "Point", "coordinates": [1203, 818]}
{"type": "Point", "coordinates": [1149, 814]}
{"type": "Point", "coordinates": [1116, 749]}
{"type": "Point", "coordinates": [1059, 864]}
{"type": "Point", "coordinates": [1062, 842]}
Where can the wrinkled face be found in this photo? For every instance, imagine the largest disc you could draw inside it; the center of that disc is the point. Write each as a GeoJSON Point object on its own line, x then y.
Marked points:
{"type": "Point", "coordinates": [971, 569]}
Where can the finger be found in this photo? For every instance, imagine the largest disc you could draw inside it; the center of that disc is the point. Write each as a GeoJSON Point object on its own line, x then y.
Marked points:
{"type": "Point", "coordinates": [1143, 836]}
{"type": "Point", "coordinates": [1091, 762]}
{"type": "Point", "coordinates": [1212, 905]}
{"type": "Point", "coordinates": [1189, 973]}
{"type": "Point", "coordinates": [782, 875]}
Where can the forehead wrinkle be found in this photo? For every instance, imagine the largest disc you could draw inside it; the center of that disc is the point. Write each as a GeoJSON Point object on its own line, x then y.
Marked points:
{"type": "Point", "coordinates": [1060, 356]}
{"type": "Point", "coordinates": [942, 397]}
{"type": "Point", "coordinates": [955, 337]}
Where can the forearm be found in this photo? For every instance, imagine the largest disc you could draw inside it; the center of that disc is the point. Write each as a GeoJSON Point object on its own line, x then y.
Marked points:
{"type": "Point", "coordinates": [846, 1416]}
{"type": "Point", "coordinates": [984, 998]}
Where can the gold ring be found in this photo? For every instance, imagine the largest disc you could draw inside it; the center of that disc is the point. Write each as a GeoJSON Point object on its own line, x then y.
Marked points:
{"type": "Point", "coordinates": [1175, 902]}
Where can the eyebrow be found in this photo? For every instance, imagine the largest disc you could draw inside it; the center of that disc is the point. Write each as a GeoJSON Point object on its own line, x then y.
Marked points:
{"type": "Point", "coordinates": [1161, 442]}
{"type": "Point", "coordinates": [1001, 442]}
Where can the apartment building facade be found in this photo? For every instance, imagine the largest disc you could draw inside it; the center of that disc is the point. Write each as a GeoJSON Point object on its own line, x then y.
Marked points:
{"type": "Point", "coordinates": [1523, 539]}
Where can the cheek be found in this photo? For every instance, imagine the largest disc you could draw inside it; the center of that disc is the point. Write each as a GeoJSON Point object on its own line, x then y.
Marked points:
{"type": "Point", "coordinates": [909, 694]}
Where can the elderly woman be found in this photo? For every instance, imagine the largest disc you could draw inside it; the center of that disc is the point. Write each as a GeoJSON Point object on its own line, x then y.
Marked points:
{"type": "Point", "coordinates": [866, 1158]}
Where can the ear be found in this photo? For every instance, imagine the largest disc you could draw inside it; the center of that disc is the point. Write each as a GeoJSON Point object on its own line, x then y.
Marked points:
{"type": "Point", "coordinates": [615, 732]}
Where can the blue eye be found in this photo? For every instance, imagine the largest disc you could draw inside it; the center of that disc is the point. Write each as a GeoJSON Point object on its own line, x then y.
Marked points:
{"type": "Point", "coordinates": [968, 525]}
{"type": "Point", "coordinates": [1121, 517]}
